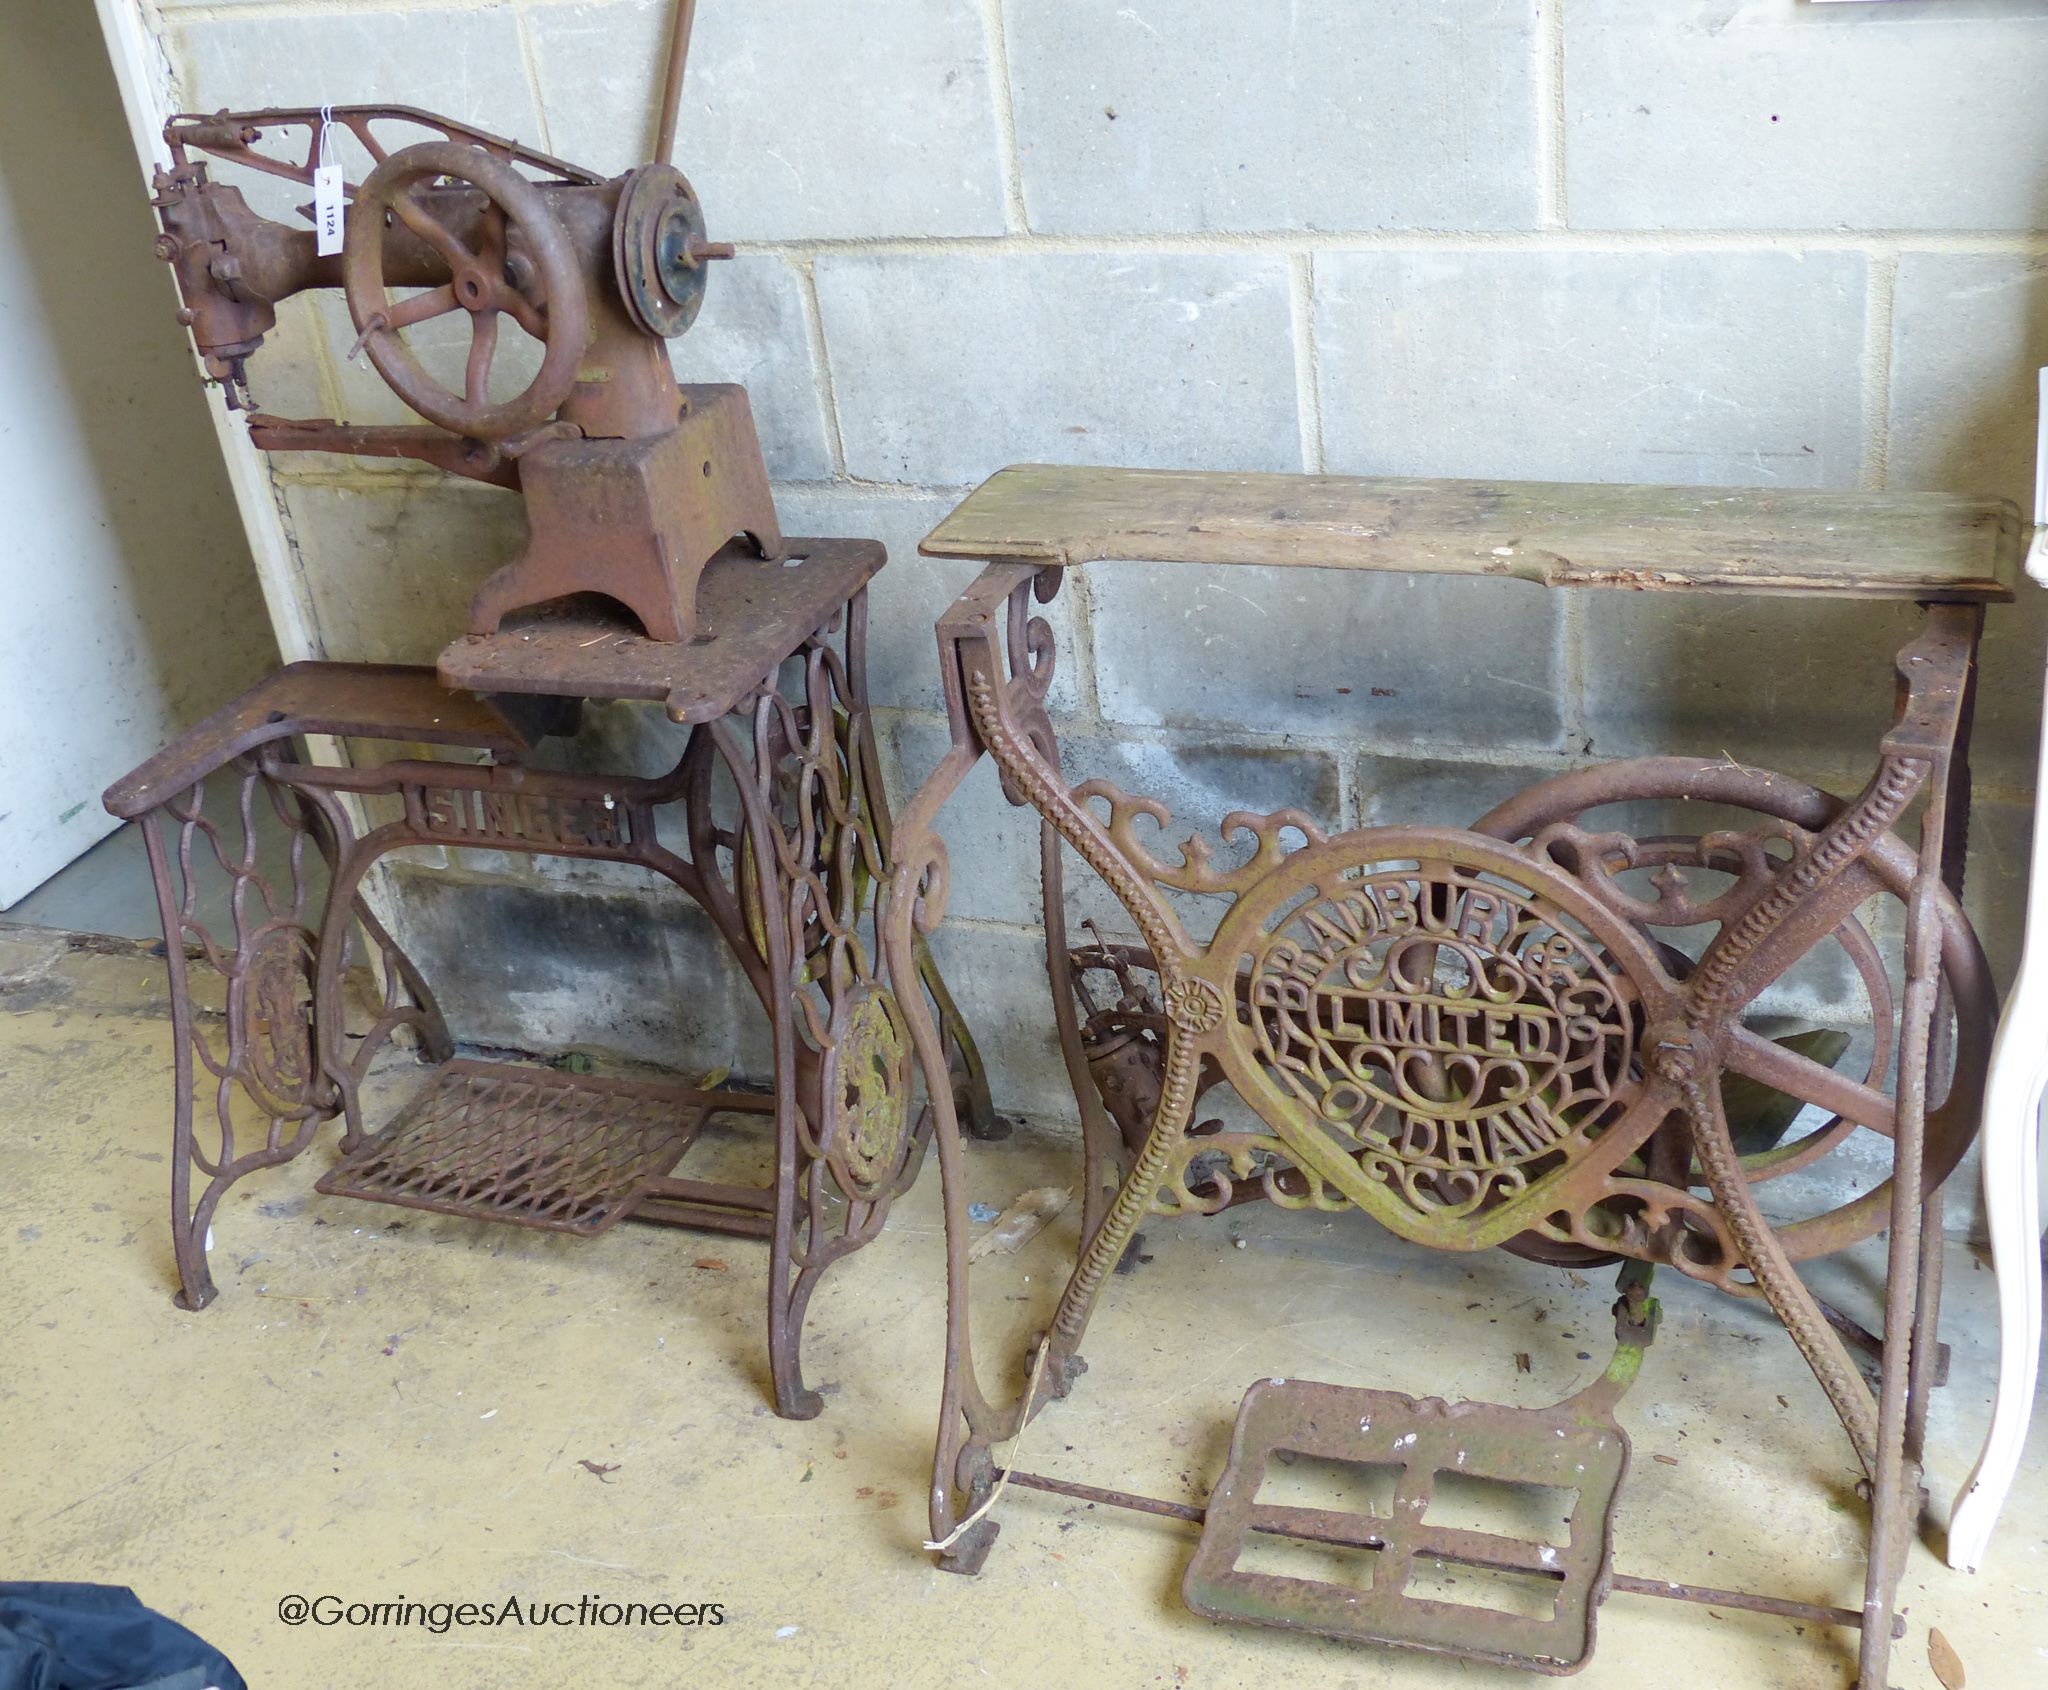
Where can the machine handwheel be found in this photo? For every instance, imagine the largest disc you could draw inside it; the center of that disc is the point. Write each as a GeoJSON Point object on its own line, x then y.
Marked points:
{"type": "Point", "coordinates": [1967, 1007]}
{"type": "Point", "coordinates": [547, 301]}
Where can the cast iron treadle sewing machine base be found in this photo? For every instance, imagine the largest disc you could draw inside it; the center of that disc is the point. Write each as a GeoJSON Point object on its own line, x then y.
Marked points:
{"type": "Point", "coordinates": [1489, 1035]}
{"type": "Point", "coordinates": [783, 835]}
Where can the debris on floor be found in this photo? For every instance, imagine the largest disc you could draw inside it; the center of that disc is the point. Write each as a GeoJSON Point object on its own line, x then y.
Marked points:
{"type": "Point", "coordinates": [1021, 1222]}
{"type": "Point", "coordinates": [1942, 1657]}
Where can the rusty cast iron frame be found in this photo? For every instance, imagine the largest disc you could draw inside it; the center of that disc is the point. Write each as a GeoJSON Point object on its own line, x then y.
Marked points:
{"type": "Point", "coordinates": [785, 864]}
{"type": "Point", "coordinates": [1473, 1036]}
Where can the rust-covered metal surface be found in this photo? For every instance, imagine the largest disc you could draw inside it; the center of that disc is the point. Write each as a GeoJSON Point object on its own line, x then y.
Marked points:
{"type": "Point", "coordinates": [785, 867]}
{"type": "Point", "coordinates": [1523, 1590]}
{"type": "Point", "coordinates": [1489, 1036]}
{"type": "Point", "coordinates": [639, 521]}
{"type": "Point", "coordinates": [1322, 1518]}
{"type": "Point", "coordinates": [1558, 1450]}
{"type": "Point", "coordinates": [655, 569]}
{"type": "Point", "coordinates": [752, 615]}
{"type": "Point", "coordinates": [388, 701]}
{"type": "Point", "coordinates": [510, 1142]}
{"type": "Point", "coordinates": [788, 882]}
{"type": "Point", "coordinates": [632, 481]}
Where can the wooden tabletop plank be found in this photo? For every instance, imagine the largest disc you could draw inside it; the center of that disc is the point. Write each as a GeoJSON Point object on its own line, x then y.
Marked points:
{"type": "Point", "coordinates": [1561, 534]}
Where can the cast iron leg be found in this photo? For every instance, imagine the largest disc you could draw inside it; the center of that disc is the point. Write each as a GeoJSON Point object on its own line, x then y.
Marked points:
{"type": "Point", "coordinates": [258, 1048]}
{"type": "Point", "coordinates": [1908, 1326]}
{"type": "Point", "coordinates": [969, 1077]}
{"type": "Point", "coordinates": [960, 1461]}
{"type": "Point", "coordinates": [1101, 1142]}
{"type": "Point", "coordinates": [788, 1285]}
{"type": "Point", "coordinates": [188, 1229]}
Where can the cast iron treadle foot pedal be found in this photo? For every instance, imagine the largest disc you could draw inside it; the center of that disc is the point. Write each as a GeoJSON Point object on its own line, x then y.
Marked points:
{"type": "Point", "coordinates": [502, 1142]}
{"type": "Point", "coordinates": [1527, 1600]}
{"type": "Point", "coordinates": [1552, 1447]}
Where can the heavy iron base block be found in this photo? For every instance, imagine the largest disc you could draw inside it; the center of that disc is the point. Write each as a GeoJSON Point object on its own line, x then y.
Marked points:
{"type": "Point", "coordinates": [637, 520]}
{"type": "Point", "coordinates": [498, 1141]}
{"type": "Point", "coordinates": [772, 821]}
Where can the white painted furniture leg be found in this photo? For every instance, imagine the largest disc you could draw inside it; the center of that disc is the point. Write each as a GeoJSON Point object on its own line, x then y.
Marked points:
{"type": "Point", "coordinates": [2011, 1150]}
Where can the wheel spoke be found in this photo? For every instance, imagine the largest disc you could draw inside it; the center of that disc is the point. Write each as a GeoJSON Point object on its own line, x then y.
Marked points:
{"type": "Point", "coordinates": [523, 311]}
{"type": "Point", "coordinates": [490, 248]}
{"type": "Point", "coordinates": [1758, 1058]}
{"type": "Point", "coordinates": [432, 230]}
{"type": "Point", "coordinates": [360, 128]}
{"type": "Point", "coordinates": [483, 341]}
{"type": "Point", "coordinates": [435, 302]}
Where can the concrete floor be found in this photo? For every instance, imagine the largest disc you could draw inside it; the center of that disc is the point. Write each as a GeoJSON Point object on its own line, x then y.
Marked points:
{"type": "Point", "coordinates": [106, 890]}
{"type": "Point", "coordinates": [386, 1405]}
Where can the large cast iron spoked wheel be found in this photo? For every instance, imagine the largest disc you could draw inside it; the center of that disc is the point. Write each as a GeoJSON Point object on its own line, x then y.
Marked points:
{"type": "Point", "coordinates": [1774, 1077]}
{"type": "Point", "coordinates": [518, 255]}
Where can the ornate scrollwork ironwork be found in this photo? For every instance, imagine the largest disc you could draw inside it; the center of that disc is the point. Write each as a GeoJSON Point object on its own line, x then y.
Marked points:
{"type": "Point", "coordinates": [830, 860]}
{"type": "Point", "coordinates": [272, 1002]}
{"type": "Point", "coordinates": [1439, 1034]}
{"type": "Point", "coordinates": [1457, 1050]}
{"type": "Point", "coordinates": [1747, 858]}
{"type": "Point", "coordinates": [865, 1085]}
{"type": "Point", "coordinates": [1197, 870]}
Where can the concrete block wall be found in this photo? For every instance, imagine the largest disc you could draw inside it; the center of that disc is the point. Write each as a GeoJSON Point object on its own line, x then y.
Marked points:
{"type": "Point", "coordinates": [1760, 242]}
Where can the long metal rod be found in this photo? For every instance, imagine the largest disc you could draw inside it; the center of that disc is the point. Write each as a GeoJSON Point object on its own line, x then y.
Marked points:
{"type": "Point", "coordinates": [672, 83]}
{"type": "Point", "coordinates": [1114, 1498]}
{"type": "Point", "coordinates": [1873, 1346]}
{"type": "Point", "coordinates": [1712, 1598]}
{"type": "Point", "coordinates": [1670, 1589]}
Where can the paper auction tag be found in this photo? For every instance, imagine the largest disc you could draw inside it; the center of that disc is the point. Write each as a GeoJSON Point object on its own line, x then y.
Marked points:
{"type": "Point", "coordinates": [327, 191]}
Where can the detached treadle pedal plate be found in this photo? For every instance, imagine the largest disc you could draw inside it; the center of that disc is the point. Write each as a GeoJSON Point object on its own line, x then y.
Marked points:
{"type": "Point", "coordinates": [1400, 1563]}
{"type": "Point", "coordinates": [502, 1142]}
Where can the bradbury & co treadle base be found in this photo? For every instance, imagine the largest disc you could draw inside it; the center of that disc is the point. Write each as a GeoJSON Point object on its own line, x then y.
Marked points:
{"type": "Point", "coordinates": [1513, 1033]}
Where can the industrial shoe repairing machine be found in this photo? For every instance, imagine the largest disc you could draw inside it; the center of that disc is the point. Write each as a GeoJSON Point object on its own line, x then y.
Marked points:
{"type": "Point", "coordinates": [655, 570]}
{"type": "Point", "coordinates": [1538, 1033]}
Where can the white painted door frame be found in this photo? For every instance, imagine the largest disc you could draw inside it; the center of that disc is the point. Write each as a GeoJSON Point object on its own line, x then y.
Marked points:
{"type": "Point", "coordinates": [143, 73]}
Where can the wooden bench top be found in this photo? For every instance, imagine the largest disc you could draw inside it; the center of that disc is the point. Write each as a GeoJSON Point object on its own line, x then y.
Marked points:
{"type": "Point", "coordinates": [1927, 546]}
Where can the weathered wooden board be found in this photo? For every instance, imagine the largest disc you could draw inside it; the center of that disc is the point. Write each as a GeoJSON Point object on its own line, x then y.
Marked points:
{"type": "Point", "coordinates": [1562, 534]}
